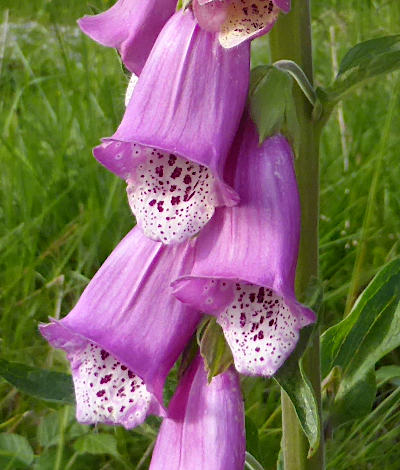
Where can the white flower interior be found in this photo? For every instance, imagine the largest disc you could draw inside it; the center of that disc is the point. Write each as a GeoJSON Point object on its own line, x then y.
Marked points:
{"type": "Point", "coordinates": [107, 391]}
{"type": "Point", "coordinates": [246, 18]}
{"type": "Point", "coordinates": [171, 197]}
{"type": "Point", "coordinates": [260, 330]}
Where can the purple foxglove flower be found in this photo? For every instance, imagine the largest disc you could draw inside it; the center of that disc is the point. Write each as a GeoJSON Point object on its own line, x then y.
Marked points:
{"type": "Point", "coordinates": [131, 26]}
{"type": "Point", "coordinates": [246, 257]}
{"type": "Point", "coordinates": [205, 424]}
{"type": "Point", "coordinates": [238, 20]}
{"type": "Point", "coordinates": [180, 122]}
{"type": "Point", "coordinates": [126, 332]}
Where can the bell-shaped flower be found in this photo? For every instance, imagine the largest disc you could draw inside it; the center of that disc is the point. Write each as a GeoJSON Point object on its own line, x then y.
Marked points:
{"type": "Point", "coordinates": [205, 424]}
{"type": "Point", "coordinates": [180, 122]}
{"type": "Point", "coordinates": [131, 26]}
{"type": "Point", "coordinates": [245, 260]}
{"type": "Point", "coordinates": [238, 20]}
{"type": "Point", "coordinates": [126, 332]}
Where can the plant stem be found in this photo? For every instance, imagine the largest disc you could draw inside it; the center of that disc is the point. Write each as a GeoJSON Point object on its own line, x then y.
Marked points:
{"type": "Point", "coordinates": [291, 39]}
{"type": "Point", "coordinates": [61, 438]}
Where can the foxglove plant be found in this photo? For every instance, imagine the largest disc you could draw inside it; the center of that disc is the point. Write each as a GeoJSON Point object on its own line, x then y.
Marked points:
{"type": "Point", "coordinates": [126, 332]}
{"type": "Point", "coordinates": [245, 259]}
{"type": "Point", "coordinates": [237, 21]}
{"type": "Point", "coordinates": [131, 26]}
{"type": "Point", "coordinates": [143, 306]}
{"type": "Point", "coordinates": [173, 141]}
{"type": "Point", "coordinates": [205, 424]}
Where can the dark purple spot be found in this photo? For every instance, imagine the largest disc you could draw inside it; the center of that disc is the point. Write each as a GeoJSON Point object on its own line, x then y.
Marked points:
{"type": "Point", "coordinates": [104, 354]}
{"type": "Point", "coordinates": [106, 379]}
{"type": "Point", "coordinates": [260, 295]}
{"type": "Point", "coordinates": [176, 173]}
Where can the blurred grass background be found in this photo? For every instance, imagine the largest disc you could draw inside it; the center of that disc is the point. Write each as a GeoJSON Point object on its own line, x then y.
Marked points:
{"type": "Point", "coordinates": [61, 214]}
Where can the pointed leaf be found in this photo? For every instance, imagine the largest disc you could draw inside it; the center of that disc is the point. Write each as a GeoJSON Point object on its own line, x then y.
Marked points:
{"type": "Point", "coordinates": [215, 350]}
{"type": "Point", "coordinates": [362, 62]}
{"type": "Point", "coordinates": [269, 89]}
{"type": "Point", "coordinates": [292, 379]}
{"type": "Point", "coordinates": [356, 344]}
{"type": "Point", "coordinates": [40, 383]}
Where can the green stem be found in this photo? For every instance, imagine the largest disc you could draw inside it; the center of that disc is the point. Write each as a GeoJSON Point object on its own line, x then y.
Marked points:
{"type": "Point", "coordinates": [61, 439]}
{"type": "Point", "coordinates": [290, 39]}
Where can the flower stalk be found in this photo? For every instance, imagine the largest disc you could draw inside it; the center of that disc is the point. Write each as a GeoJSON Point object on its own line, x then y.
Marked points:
{"type": "Point", "coordinates": [291, 40]}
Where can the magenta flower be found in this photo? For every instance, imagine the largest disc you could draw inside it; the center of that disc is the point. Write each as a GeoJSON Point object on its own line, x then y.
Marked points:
{"type": "Point", "coordinates": [180, 122]}
{"type": "Point", "coordinates": [238, 20]}
{"type": "Point", "coordinates": [205, 424]}
{"type": "Point", "coordinates": [246, 257]}
{"type": "Point", "coordinates": [126, 332]}
{"type": "Point", "coordinates": [131, 26]}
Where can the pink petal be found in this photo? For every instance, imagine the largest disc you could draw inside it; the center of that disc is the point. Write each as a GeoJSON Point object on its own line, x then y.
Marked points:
{"type": "Point", "coordinates": [205, 424]}
{"type": "Point", "coordinates": [131, 26]}
{"type": "Point", "coordinates": [211, 15]}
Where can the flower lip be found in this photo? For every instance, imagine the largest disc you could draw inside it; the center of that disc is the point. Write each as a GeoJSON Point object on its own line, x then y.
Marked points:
{"type": "Point", "coordinates": [172, 198]}
{"type": "Point", "coordinates": [106, 390]}
{"type": "Point", "coordinates": [238, 21]}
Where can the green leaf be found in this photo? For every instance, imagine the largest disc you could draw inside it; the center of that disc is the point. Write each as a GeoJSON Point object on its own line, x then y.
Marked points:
{"type": "Point", "coordinates": [280, 464]}
{"type": "Point", "coordinates": [252, 441]}
{"type": "Point", "coordinates": [48, 430]}
{"type": "Point", "coordinates": [365, 52]}
{"type": "Point", "coordinates": [46, 460]}
{"type": "Point", "coordinates": [97, 444]}
{"type": "Point", "coordinates": [356, 344]}
{"type": "Point", "coordinates": [362, 62]}
{"type": "Point", "coordinates": [215, 350]}
{"type": "Point", "coordinates": [40, 383]}
{"type": "Point", "coordinates": [251, 463]}
{"type": "Point", "coordinates": [292, 379]}
{"type": "Point", "coordinates": [16, 448]}
{"type": "Point", "coordinates": [270, 101]}
{"type": "Point", "coordinates": [387, 374]}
